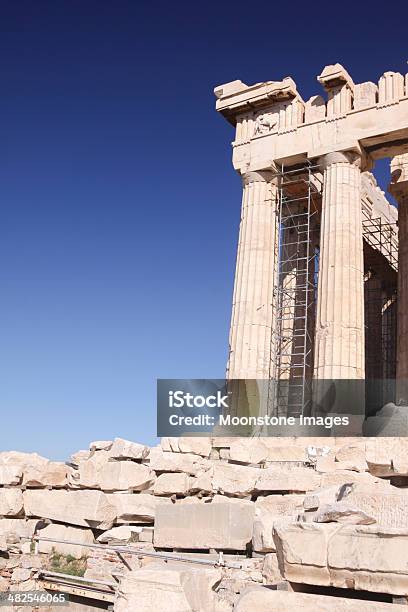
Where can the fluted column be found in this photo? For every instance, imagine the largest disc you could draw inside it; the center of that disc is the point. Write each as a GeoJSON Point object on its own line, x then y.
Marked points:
{"type": "Point", "coordinates": [252, 321]}
{"type": "Point", "coordinates": [339, 338]}
{"type": "Point", "coordinates": [251, 356]}
{"type": "Point", "coordinates": [287, 307]}
{"type": "Point", "coordinates": [399, 189]}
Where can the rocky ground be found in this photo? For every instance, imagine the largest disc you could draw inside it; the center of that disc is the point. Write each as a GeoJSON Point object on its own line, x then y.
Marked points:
{"type": "Point", "coordinates": [282, 523]}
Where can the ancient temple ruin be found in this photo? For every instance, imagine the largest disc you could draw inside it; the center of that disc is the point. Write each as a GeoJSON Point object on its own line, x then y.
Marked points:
{"type": "Point", "coordinates": [322, 255]}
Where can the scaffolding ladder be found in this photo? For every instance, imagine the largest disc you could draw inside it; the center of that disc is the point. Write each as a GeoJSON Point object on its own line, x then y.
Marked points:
{"type": "Point", "coordinates": [296, 289]}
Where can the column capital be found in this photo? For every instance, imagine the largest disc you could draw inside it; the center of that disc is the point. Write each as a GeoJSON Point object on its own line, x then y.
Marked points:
{"type": "Point", "coordinates": [340, 157]}
{"type": "Point", "coordinates": [258, 176]}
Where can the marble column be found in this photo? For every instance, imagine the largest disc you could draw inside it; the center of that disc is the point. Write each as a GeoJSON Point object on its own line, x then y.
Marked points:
{"type": "Point", "coordinates": [287, 306]}
{"type": "Point", "coordinates": [251, 334]}
{"type": "Point", "coordinates": [339, 336]}
{"type": "Point", "coordinates": [399, 189]}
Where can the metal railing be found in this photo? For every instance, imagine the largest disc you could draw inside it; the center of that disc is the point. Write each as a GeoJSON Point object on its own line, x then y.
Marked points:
{"type": "Point", "coordinates": [143, 553]}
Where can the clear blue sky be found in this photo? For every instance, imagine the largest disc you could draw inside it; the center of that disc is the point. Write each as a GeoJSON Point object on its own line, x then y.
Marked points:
{"type": "Point", "coordinates": [119, 205]}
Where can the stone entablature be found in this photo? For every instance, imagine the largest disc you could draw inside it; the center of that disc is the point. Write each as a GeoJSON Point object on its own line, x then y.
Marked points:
{"type": "Point", "coordinates": [273, 123]}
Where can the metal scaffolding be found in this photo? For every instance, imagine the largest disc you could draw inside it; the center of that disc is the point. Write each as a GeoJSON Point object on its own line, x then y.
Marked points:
{"type": "Point", "coordinates": [382, 236]}
{"type": "Point", "coordinates": [295, 295]}
{"type": "Point", "coordinates": [295, 290]}
{"type": "Point", "coordinates": [380, 310]}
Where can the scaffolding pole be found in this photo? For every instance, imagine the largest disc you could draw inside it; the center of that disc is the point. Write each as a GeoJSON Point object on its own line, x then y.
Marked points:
{"type": "Point", "coordinates": [295, 289]}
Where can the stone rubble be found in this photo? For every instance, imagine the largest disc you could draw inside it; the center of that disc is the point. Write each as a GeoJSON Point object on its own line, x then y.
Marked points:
{"type": "Point", "coordinates": [278, 516]}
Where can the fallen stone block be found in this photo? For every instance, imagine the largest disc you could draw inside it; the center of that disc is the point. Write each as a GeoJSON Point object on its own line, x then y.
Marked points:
{"type": "Point", "coordinates": [382, 454]}
{"type": "Point", "coordinates": [243, 481]}
{"type": "Point", "coordinates": [124, 534]}
{"type": "Point", "coordinates": [270, 569]}
{"type": "Point", "coordinates": [79, 456]}
{"type": "Point", "coordinates": [197, 446]}
{"type": "Point", "coordinates": [175, 462]}
{"type": "Point", "coordinates": [167, 587]}
{"type": "Point", "coordinates": [268, 510]}
{"type": "Point", "coordinates": [172, 484]}
{"type": "Point", "coordinates": [65, 532]}
{"type": "Point", "coordinates": [202, 482]}
{"type": "Point", "coordinates": [22, 459]}
{"type": "Point", "coordinates": [10, 474]}
{"type": "Point", "coordinates": [265, 600]}
{"type": "Point", "coordinates": [326, 495]}
{"type": "Point", "coordinates": [99, 445]}
{"type": "Point", "coordinates": [388, 507]}
{"type": "Point", "coordinates": [89, 470]}
{"type": "Point", "coordinates": [11, 502]}
{"type": "Point", "coordinates": [252, 450]}
{"type": "Point", "coordinates": [361, 557]}
{"type": "Point", "coordinates": [236, 480]}
{"type": "Point", "coordinates": [343, 512]}
{"type": "Point", "coordinates": [50, 474]}
{"type": "Point", "coordinates": [135, 507]}
{"type": "Point", "coordinates": [341, 477]}
{"type": "Point", "coordinates": [289, 479]}
{"type": "Point", "coordinates": [82, 508]}
{"type": "Point", "coordinates": [370, 558]}
{"type": "Point", "coordinates": [225, 526]}
{"type": "Point", "coordinates": [124, 449]}
{"type": "Point", "coordinates": [125, 476]}
{"type": "Point", "coordinates": [302, 549]}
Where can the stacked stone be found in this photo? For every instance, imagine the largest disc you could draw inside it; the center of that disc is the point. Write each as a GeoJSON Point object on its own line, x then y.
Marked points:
{"type": "Point", "coordinates": [283, 511]}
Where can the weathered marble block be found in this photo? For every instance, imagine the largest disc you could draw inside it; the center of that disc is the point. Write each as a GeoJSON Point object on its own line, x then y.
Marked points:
{"type": "Point", "coordinates": [221, 526]}
{"type": "Point", "coordinates": [266, 600]}
{"type": "Point", "coordinates": [82, 508]}
{"type": "Point", "coordinates": [66, 532]}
